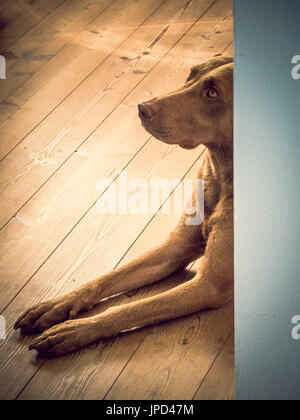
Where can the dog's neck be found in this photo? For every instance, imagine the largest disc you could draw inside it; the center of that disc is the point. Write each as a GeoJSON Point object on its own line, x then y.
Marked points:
{"type": "Point", "coordinates": [222, 155]}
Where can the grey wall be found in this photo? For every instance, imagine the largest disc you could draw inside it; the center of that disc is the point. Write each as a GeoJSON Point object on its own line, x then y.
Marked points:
{"type": "Point", "coordinates": [267, 198]}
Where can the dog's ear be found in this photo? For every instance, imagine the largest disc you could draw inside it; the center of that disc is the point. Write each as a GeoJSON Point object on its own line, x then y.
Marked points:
{"type": "Point", "coordinates": [193, 74]}
{"type": "Point", "coordinates": [202, 69]}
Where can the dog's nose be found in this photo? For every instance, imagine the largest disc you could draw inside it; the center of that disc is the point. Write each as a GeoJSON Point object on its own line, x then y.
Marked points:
{"type": "Point", "coordinates": [145, 111]}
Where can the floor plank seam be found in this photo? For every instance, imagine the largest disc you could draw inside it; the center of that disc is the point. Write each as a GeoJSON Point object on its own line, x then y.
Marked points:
{"type": "Point", "coordinates": [102, 373]}
{"type": "Point", "coordinates": [113, 180]}
{"type": "Point", "coordinates": [60, 49]}
{"type": "Point", "coordinates": [118, 263]}
{"type": "Point", "coordinates": [162, 58]}
{"type": "Point", "coordinates": [81, 218]}
{"type": "Point", "coordinates": [188, 270]}
{"type": "Point", "coordinates": [188, 30]}
{"type": "Point", "coordinates": [38, 23]}
{"type": "Point", "coordinates": [213, 363]}
{"type": "Point", "coordinates": [91, 207]}
{"type": "Point", "coordinates": [199, 157]}
{"type": "Point", "coordinates": [81, 82]}
{"type": "Point", "coordinates": [82, 143]}
{"type": "Point", "coordinates": [122, 370]}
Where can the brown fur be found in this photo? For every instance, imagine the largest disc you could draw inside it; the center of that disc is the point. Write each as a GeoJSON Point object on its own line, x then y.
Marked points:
{"type": "Point", "coordinates": [201, 112]}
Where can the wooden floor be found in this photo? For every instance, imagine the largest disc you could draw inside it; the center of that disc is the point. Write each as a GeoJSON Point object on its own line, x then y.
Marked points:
{"type": "Point", "coordinates": [76, 70]}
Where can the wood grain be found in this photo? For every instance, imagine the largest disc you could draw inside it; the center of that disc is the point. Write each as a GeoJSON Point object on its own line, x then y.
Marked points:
{"type": "Point", "coordinates": [27, 54]}
{"type": "Point", "coordinates": [171, 362]}
{"type": "Point", "coordinates": [72, 190]}
{"type": "Point", "coordinates": [20, 16]}
{"type": "Point", "coordinates": [55, 139]}
{"type": "Point", "coordinates": [98, 236]}
{"type": "Point", "coordinates": [219, 382]}
{"type": "Point", "coordinates": [112, 31]}
{"type": "Point", "coordinates": [103, 258]}
{"type": "Point", "coordinates": [38, 58]}
{"type": "Point", "coordinates": [56, 240]}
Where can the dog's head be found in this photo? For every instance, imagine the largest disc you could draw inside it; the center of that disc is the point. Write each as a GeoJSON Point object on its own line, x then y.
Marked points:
{"type": "Point", "coordinates": [201, 112]}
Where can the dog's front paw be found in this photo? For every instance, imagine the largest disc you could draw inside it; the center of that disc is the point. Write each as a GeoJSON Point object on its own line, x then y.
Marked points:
{"type": "Point", "coordinates": [43, 316]}
{"type": "Point", "coordinates": [65, 338]}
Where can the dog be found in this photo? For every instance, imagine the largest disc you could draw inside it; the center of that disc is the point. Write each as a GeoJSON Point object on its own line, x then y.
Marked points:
{"type": "Point", "coordinates": [201, 112]}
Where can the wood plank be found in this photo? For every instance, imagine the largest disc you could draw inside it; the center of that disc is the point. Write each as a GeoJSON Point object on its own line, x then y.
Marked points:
{"type": "Point", "coordinates": [32, 51]}
{"type": "Point", "coordinates": [110, 364]}
{"type": "Point", "coordinates": [20, 17]}
{"type": "Point", "coordinates": [219, 383]}
{"type": "Point", "coordinates": [188, 342]}
{"type": "Point", "coordinates": [85, 262]}
{"type": "Point", "coordinates": [41, 153]}
{"type": "Point", "coordinates": [72, 190]}
{"type": "Point", "coordinates": [96, 235]}
{"type": "Point", "coordinates": [39, 57]}
{"type": "Point", "coordinates": [49, 54]}
{"type": "Point", "coordinates": [50, 70]}
{"type": "Point", "coordinates": [114, 31]}
{"type": "Point", "coordinates": [89, 374]}
{"type": "Point", "coordinates": [181, 352]}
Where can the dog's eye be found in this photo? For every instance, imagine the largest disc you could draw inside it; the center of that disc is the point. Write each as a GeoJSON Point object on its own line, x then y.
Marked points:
{"type": "Point", "coordinates": [212, 93]}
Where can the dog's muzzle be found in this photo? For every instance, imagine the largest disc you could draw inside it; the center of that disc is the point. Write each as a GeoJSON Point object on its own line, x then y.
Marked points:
{"type": "Point", "coordinates": [145, 111]}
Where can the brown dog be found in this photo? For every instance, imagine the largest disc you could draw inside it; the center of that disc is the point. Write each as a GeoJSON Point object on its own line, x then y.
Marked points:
{"type": "Point", "coordinates": [199, 113]}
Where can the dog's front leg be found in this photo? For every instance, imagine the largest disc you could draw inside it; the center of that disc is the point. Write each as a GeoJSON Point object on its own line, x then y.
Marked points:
{"type": "Point", "coordinates": [212, 287]}
{"type": "Point", "coordinates": [159, 263]}
{"type": "Point", "coordinates": [185, 299]}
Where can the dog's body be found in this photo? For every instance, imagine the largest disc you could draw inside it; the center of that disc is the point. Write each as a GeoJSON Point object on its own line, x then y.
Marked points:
{"type": "Point", "coordinates": [199, 113]}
